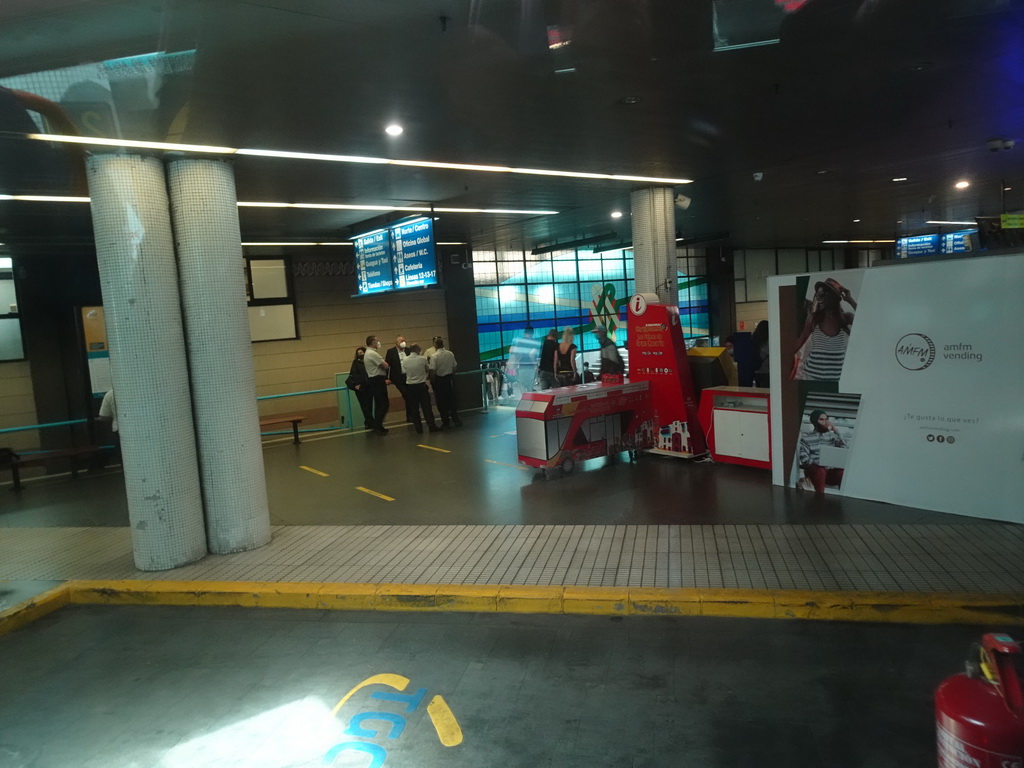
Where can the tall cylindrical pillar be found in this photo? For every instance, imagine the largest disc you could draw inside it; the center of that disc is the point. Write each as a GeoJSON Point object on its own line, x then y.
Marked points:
{"type": "Point", "coordinates": [654, 243]}
{"type": "Point", "coordinates": [205, 214]}
{"type": "Point", "coordinates": [142, 308]}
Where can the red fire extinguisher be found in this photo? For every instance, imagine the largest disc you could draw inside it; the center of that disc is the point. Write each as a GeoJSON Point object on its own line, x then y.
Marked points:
{"type": "Point", "coordinates": [980, 713]}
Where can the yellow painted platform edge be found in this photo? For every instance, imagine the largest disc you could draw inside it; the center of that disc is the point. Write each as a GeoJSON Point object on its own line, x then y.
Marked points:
{"type": "Point", "coordinates": [884, 607]}
{"type": "Point", "coordinates": [26, 612]}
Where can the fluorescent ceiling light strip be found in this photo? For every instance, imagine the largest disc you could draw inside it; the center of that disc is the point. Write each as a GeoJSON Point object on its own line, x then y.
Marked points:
{"type": "Point", "coordinates": [964, 223]}
{"type": "Point", "coordinates": [256, 245]}
{"type": "Point", "coordinates": [331, 158]}
{"type": "Point", "coordinates": [133, 144]}
{"type": "Point", "coordinates": [46, 198]}
{"type": "Point", "coordinates": [312, 156]}
{"type": "Point", "coordinates": [323, 206]}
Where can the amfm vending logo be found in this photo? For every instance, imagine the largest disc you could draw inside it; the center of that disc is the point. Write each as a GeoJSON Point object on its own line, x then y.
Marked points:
{"type": "Point", "coordinates": [915, 351]}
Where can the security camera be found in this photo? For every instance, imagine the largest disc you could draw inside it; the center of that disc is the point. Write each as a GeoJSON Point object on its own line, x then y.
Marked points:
{"type": "Point", "coordinates": [758, 176]}
{"type": "Point", "coordinates": [682, 201]}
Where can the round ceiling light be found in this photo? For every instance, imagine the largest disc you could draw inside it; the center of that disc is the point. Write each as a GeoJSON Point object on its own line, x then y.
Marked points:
{"type": "Point", "coordinates": [962, 184]}
{"type": "Point", "coordinates": [616, 214]}
{"type": "Point", "coordinates": [394, 130]}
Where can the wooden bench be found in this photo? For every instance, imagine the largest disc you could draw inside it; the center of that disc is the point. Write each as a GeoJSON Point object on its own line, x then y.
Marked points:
{"type": "Point", "coordinates": [293, 420]}
{"type": "Point", "coordinates": [15, 461]}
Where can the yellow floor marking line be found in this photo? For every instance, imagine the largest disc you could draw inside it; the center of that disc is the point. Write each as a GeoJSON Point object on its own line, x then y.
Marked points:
{"type": "Point", "coordinates": [432, 448]}
{"type": "Point", "coordinates": [502, 463]}
{"type": "Point", "coordinates": [447, 727]}
{"type": "Point", "coordinates": [374, 493]}
{"type": "Point", "coordinates": [314, 471]}
{"type": "Point", "coordinates": [398, 682]}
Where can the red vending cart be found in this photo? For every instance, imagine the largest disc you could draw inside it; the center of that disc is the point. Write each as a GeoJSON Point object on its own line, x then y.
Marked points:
{"type": "Point", "coordinates": [558, 428]}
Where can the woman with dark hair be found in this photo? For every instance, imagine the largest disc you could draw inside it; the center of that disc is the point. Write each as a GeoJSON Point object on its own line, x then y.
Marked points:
{"type": "Point", "coordinates": [565, 359]}
{"type": "Point", "coordinates": [827, 330]}
{"type": "Point", "coordinates": [357, 381]}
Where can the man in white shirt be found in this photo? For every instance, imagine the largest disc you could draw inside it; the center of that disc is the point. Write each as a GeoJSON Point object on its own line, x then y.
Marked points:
{"type": "Point", "coordinates": [415, 368]}
{"type": "Point", "coordinates": [442, 365]}
{"type": "Point", "coordinates": [377, 378]}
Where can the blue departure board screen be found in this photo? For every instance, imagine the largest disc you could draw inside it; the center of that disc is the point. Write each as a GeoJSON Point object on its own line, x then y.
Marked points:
{"type": "Point", "coordinates": [931, 245]}
{"type": "Point", "coordinates": [400, 256]}
{"type": "Point", "coordinates": [415, 263]}
{"type": "Point", "coordinates": [920, 245]}
{"type": "Point", "coordinates": [373, 262]}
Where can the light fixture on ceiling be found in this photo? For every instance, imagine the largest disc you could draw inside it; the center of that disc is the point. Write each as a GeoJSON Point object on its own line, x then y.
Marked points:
{"type": "Point", "coordinates": [394, 130]}
{"type": "Point", "coordinates": [324, 157]}
{"type": "Point", "coordinates": [857, 242]}
{"type": "Point", "coordinates": [856, 221]}
{"type": "Point", "coordinates": [629, 100]}
{"type": "Point", "coordinates": [900, 178]}
{"type": "Point", "coordinates": [964, 223]}
{"type": "Point", "coordinates": [962, 184]}
{"type": "Point", "coordinates": [316, 206]}
{"type": "Point", "coordinates": [616, 214]}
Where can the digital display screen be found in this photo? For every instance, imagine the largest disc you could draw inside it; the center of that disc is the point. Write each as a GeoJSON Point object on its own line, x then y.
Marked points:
{"type": "Point", "coordinates": [415, 263]}
{"type": "Point", "coordinates": [373, 262]}
{"type": "Point", "coordinates": [959, 242]}
{"type": "Point", "coordinates": [921, 245]}
{"type": "Point", "coordinates": [401, 256]}
{"type": "Point", "coordinates": [930, 245]}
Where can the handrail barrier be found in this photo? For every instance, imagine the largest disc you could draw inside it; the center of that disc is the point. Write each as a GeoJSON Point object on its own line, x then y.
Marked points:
{"type": "Point", "coordinates": [345, 411]}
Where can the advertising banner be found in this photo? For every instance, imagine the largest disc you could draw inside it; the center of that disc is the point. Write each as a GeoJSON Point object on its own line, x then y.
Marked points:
{"type": "Point", "coordinates": [916, 395]}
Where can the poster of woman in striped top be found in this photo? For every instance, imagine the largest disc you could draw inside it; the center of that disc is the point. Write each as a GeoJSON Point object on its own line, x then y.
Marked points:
{"type": "Point", "coordinates": [821, 346]}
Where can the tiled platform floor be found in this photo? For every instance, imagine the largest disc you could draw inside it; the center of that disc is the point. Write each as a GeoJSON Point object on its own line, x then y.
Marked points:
{"type": "Point", "coordinates": [909, 558]}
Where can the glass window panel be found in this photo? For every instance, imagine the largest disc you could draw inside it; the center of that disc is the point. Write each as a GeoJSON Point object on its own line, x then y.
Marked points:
{"type": "Point", "coordinates": [614, 269]}
{"type": "Point", "coordinates": [487, 305]}
{"type": "Point", "coordinates": [739, 264]}
{"type": "Point", "coordinates": [563, 255]}
{"type": "Point", "coordinates": [484, 255]}
{"type": "Point", "coordinates": [539, 273]}
{"type": "Point", "coordinates": [485, 273]}
{"type": "Point", "coordinates": [741, 290]}
{"type": "Point", "coordinates": [490, 345]}
{"type": "Point", "coordinates": [510, 256]}
{"type": "Point", "coordinates": [792, 261]}
{"type": "Point", "coordinates": [269, 280]}
{"type": "Point", "coordinates": [512, 299]}
{"type": "Point", "coordinates": [563, 270]}
{"type": "Point", "coordinates": [760, 264]}
{"type": "Point", "coordinates": [590, 269]}
{"type": "Point", "coordinates": [542, 301]}
{"type": "Point", "coordinates": [510, 271]}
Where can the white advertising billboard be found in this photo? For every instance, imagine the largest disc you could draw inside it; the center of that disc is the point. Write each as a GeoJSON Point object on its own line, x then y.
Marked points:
{"type": "Point", "coordinates": [928, 408]}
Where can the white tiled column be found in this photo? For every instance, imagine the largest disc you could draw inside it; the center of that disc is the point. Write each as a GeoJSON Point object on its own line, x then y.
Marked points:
{"type": "Point", "coordinates": [654, 243]}
{"type": "Point", "coordinates": [205, 215]}
{"type": "Point", "coordinates": [142, 308]}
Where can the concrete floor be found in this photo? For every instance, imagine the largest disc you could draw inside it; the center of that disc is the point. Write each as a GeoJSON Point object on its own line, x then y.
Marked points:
{"type": "Point", "coordinates": [476, 481]}
{"type": "Point", "coordinates": [166, 687]}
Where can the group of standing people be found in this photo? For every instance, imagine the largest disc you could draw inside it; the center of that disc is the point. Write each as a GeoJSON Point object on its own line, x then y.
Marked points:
{"type": "Point", "coordinates": [410, 372]}
{"type": "Point", "coordinates": [552, 363]}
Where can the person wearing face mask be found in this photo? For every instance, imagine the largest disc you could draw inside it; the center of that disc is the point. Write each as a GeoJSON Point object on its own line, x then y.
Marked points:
{"type": "Point", "coordinates": [396, 375]}
{"type": "Point", "coordinates": [377, 383]}
{"type": "Point", "coordinates": [358, 381]}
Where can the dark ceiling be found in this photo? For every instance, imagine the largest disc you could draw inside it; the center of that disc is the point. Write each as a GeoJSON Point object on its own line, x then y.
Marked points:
{"type": "Point", "coordinates": [853, 94]}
